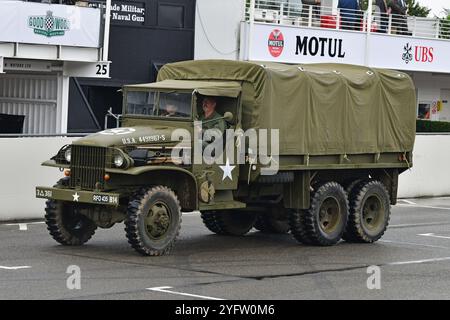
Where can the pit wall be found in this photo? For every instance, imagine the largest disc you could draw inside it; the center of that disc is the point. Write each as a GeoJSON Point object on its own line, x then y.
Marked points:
{"type": "Point", "coordinates": [20, 172]}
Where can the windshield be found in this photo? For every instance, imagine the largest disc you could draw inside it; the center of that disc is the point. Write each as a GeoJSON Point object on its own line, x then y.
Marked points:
{"type": "Point", "coordinates": [159, 104]}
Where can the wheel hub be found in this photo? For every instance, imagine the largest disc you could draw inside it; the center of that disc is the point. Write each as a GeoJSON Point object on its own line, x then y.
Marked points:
{"type": "Point", "coordinates": [158, 220]}
{"type": "Point", "coordinates": [329, 215]}
{"type": "Point", "coordinates": [373, 213]}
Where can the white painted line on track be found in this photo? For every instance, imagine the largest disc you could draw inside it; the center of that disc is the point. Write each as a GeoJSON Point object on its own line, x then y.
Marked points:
{"type": "Point", "coordinates": [420, 206]}
{"type": "Point", "coordinates": [418, 261]}
{"type": "Point", "coordinates": [165, 290]}
{"type": "Point", "coordinates": [191, 213]}
{"type": "Point", "coordinates": [23, 226]}
{"type": "Point", "coordinates": [433, 235]}
{"type": "Point", "coordinates": [425, 224]}
{"type": "Point", "coordinates": [414, 244]}
{"type": "Point", "coordinates": [15, 268]}
{"type": "Point", "coordinates": [408, 202]}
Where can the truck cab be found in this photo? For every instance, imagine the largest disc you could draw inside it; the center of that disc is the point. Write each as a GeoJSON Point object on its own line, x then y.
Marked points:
{"type": "Point", "coordinates": [151, 155]}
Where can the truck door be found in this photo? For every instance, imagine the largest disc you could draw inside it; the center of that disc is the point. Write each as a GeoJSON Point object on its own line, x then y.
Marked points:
{"type": "Point", "coordinates": [224, 175]}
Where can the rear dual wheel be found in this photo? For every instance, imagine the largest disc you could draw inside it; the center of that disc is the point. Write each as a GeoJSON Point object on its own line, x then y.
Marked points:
{"type": "Point", "coordinates": [324, 222]}
{"type": "Point", "coordinates": [369, 212]}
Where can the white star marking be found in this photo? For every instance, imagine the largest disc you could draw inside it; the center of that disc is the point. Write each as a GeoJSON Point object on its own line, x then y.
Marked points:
{"type": "Point", "coordinates": [227, 170]}
{"type": "Point", "coordinates": [76, 197]}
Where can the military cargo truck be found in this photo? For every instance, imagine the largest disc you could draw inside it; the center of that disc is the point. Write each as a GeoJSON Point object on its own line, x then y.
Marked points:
{"type": "Point", "coordinates": [344, 134]}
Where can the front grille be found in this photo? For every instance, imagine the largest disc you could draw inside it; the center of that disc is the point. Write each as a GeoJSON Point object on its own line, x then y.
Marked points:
{"type": "Point", "coordinates": [87, 167]}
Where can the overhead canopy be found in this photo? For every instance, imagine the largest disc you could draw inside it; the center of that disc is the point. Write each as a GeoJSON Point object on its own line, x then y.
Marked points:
{"type": "Point", "coordinates": [207, 88]}
{"type": "Point", "coordinates": [318, 108]}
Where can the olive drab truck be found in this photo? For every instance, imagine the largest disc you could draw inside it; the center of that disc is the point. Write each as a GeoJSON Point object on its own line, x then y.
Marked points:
{"type": "Point", "coordinates": [343, 134]}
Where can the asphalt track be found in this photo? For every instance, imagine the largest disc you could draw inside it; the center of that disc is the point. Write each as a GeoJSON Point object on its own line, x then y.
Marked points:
{"type": "Point", "coordinates": [413, 259]}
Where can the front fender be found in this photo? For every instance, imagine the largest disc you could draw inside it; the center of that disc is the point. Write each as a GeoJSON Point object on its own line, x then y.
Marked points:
{"type": "Point", "coordinates": [182, 181]}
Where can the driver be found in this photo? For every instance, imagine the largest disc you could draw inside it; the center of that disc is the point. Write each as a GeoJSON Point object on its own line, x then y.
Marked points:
{"type": "Point", "coordinates": [209, 113]}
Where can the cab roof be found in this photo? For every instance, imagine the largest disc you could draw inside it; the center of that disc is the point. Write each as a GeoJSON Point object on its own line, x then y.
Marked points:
{"type": "Point", "coordinates": [207, 88]}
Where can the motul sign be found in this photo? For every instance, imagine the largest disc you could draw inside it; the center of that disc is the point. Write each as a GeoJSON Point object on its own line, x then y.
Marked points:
{"type": "Point", "coordinates": [295, 44]}
{"type": "Point", "coordinates": [298, 45]}
{"type": "Point", "coordinates": [276, 43]}
{"type": "Point", "coordinates": [314, 46]}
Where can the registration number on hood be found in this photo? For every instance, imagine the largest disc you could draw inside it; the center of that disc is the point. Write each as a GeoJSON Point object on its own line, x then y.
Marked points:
{"type": "Point", "coordinates": [144, 139]}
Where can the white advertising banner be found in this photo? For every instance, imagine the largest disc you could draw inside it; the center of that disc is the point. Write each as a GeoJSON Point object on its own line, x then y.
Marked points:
{"type": "Point", "coordinates": [408, 53]}
{"type": "Point", "coordinates": [39, 23]}
{"type": "Point", "coordinates": [271, 42]}
{"type": "Point", "coordinates": [301, 45]}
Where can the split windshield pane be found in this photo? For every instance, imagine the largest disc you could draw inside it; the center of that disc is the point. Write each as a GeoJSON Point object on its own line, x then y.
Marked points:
{"type": "Point", "coordinates": [159, 104]}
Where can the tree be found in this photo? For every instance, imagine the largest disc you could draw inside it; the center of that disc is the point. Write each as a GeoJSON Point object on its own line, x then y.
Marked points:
{"type": "Point", "coordinates": [444, 26]}
{"type": "Point", "coordinates": [415, 9]}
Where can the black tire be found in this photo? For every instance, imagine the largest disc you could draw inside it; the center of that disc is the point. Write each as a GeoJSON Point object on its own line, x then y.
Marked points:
{"type": "Point", "coordinates": [369, 212]}
{"type": "Point", "coordinates": [274, 220]}
{"type": "Point", "coordinates": [65, 223]}
{"type": "Point", "coordinates": [297, 226]}
{"type": "Point", "coordinates": [324, 223]}
{"type": "Point", "coordinates": [350, 186]}
{"type": "Point", "coordinates": [229, 222]}
{"type": "Point", "coordinates": [153, 221]}
{"type": "Point", "coordinates": [210, 221]}
{"type": "Point", "coordinates": [280, 177]}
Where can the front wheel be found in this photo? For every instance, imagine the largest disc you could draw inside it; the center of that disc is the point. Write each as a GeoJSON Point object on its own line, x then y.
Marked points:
{"type": "Point", "coordinates": [66, 224]}
{"type": "Point", "coordinates": [153, 221]}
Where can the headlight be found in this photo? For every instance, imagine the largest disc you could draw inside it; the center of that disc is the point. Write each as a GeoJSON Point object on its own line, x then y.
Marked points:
{"type": "Point", "coordinates": [119, 160]}
{"type": "Point", "coordinates": [68, 155]}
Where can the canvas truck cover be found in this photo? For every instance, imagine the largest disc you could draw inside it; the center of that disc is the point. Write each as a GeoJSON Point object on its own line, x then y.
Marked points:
{"type": "Point", "coordinates": [320, 109]}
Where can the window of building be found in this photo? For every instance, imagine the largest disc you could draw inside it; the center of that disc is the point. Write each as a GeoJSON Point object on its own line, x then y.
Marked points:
{"type": "Point", "coordinates": [171, 16]}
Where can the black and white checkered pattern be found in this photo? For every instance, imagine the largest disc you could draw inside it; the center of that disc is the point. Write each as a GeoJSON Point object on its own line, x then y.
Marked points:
{"type": "Point", "coordinates": [49, 23]}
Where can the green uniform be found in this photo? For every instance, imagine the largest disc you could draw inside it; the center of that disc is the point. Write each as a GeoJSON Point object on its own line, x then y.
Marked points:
{"type": "Point", "coordinates": [217, 124]}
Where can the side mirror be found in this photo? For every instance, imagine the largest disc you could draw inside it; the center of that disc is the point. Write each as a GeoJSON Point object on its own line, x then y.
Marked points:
{"type": "Point", "coordinates": [228, 116]}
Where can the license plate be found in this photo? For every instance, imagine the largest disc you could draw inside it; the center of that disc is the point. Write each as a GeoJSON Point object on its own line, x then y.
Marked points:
{"type": "Point", "coordinates": [42, 193]}
{"type": "Point", "coordinates": [105, 199]}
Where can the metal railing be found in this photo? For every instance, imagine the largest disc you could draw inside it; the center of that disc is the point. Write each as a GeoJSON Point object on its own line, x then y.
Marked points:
{"type": "Point", "coordinates": [286, 13]}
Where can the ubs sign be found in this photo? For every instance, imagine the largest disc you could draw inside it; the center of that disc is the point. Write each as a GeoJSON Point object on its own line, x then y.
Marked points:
{"type": "Point", "coordinates": [419, 54]}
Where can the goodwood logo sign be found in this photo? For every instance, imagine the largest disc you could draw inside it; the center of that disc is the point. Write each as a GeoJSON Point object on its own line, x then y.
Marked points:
{"type": "Point", "coordinates": [48, 25]}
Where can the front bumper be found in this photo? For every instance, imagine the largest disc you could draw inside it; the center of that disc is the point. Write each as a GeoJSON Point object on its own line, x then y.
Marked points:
{"type": "Point", "coordinates": [78, 196]}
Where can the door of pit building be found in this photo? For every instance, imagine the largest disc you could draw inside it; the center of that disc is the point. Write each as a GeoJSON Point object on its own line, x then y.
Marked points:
{"type": "Point", "coordinates": [444, 113]}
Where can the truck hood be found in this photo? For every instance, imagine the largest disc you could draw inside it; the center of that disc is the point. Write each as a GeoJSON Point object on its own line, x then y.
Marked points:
{"type": "Point", "coordinates": [128, 136]}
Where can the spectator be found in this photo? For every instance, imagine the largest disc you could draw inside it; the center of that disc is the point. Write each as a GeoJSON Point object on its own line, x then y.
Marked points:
{"type": "Point", "coordinates": [399, 19]}
{"type": "Point", "coordinates": [306, 4]}
{"type": "Point", "coordinates": [384, 18]}
{"type": "Point", "coordinates": [349, 14]}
